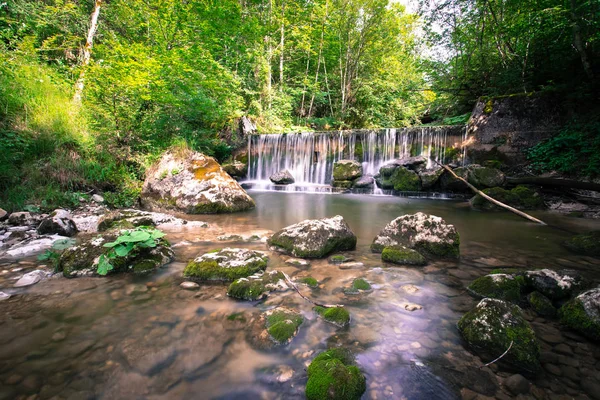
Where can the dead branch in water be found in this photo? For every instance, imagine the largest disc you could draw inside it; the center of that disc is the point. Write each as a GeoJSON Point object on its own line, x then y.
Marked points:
{"type": "Point", "coordinates": [497, 359]}
{"type": "Point", "coordinates": [293, 285]}
{"type": "Point", "coordinates": [496, 202]}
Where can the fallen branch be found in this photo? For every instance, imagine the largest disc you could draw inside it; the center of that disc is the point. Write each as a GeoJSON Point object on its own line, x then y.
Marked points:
{"type": "Point", "coordinates": [497, 359]}
{"type": "Point", "coordinates": [485, 196]}
{"type": "Point", "coordinates": [293, 285]}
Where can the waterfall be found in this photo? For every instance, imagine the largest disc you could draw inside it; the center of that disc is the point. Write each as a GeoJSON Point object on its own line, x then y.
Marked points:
{"type": "Point", "coordinates": [310, 156]}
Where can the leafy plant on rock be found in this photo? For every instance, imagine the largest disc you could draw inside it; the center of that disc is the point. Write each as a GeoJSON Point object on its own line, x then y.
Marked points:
{"type": "Point", "coordinates": [127, 242]}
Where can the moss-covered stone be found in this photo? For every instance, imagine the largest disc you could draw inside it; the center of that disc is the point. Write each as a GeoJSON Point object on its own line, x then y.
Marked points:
{"type": "Point", "coordinates": [342, 184]}
{"type": "Point", "coordinates": [586, 244]}
{"type": "Point", "coordinates": [358, 285]}
{"type": "Point", "coordinates": [226, 265]}
{"type": "Point", "coordinates": [401, 179]}
{"type": "Point", "coordinates": [339, 259]}
{"type": "Point", "coordinates": [491, 327]}
{"type": "Point", "coordinates": [257, 286]}
{"type": "Point", "coordinates": [402, 255]}
{"type": "Point", "coordinates": [336, 315]}
{"type": "Point", "coordinates": [309, 281]}
{"type": "Point", "coordinates": [554, 284]}
{"type": "Point", "coordinates": [519, 197]}
{"type": "Point", "coordinates": [498, 286]}
{"type": "Point", "coordinates": [347, 170]}
{"type": "Point", "coordinates": [583, 314]}
{"type": "Point", "coordinates": [333, 375]}
{"type": "Point", "coordinates": [541, 304]}
{"type": "Point", "coordinates": [282, 324]}
{"type": "Point", "coordinates": [484, 177]}
{"type": "Point", "coordinates": [124, 219]}
{"type": "Point", "coordinates": [449, 183]}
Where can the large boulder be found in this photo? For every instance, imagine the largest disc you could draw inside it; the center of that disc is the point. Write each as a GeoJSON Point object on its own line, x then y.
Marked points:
{"type": "Point", "coordinates": [449, 183]}
{"type": "Point", "coordinates": [554, 284]}
{"type": "Point", "coordinates": [314, 238]}
{"type": "Point", "coordinates": [193, 183]}
{"type": "Point", "coordinates": [226, 265]}
{"type": "Point", "coordinates": [586, 244]}
{"type": "Point", "coordinates": [398, 178]}
{"type": "Point", "coordinates": [334, 375]}
{"type": "Point", "coordinates": [282, 178]}
{"type": "Point", "coordinates": [498, 286]}
{"type": "Point", "coordinates": [21, 218]}
{"type": "Point", "coordinates": [59, 222]}
{"type": "Point", "coordinates": [490, 328]}
{"type": "Point", "coordinates": [430, 177]}
{"type": "Point", "coordinates": [347, 170]}
{"type": "Point", "coordinates": [519, 197]}
{"type": "Point", "coordinates": [364, 182]}
{"type": "Point", "coordinates": [485, 177]}
{"type": "Point", "coordinates": [583, 314]}
{"type": "Point", "coordinates": [236, 170]}
{"type": "Point", "coordinates": [84, 259]}
{"type": "Point", "coordinates": [429, 235]}
{"type": "Point", "coordinates": [257, 286]}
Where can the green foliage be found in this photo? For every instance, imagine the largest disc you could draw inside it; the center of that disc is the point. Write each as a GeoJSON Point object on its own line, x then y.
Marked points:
{"type": "Point", "coordinates": [53, 255]}
{"type": "Point", "coordinates": [309, 281]}
{"type": "Point", "coordinates": [128, 242]}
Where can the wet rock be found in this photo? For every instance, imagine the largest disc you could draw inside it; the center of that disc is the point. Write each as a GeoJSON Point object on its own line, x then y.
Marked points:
{"type": "Point", "coordinates": [314, 238]}
{"type": "Point", "coordinates": [342, 184]}
{"type": "Point", "coordinates": [347, 170]}
{"type": "Point", "coordinates": [498, 286]}
{"type": "Point", "coordinates": [358, 285]}
{"type": "Point", "coordinates": [338, 316]}
{"type": "Point", "coordinates": [60, 222]}
{"type": "Point", "coordinates": [541, 304]}
{"type": "Point", "coordinates": [398, 178]}
{"type": "Point", "coordinates": [517, 384]}
{"type": "Point", "coordinates": [298, 262]}
{"type": "Point", "coordinates": [491, 327]}
{"type": "Point", "coordinates": [189, 285]}
{"type": "Point", "coordinates": [520, 197]}
{"type": "Point", "coordinates": [430, 177]}
{"type": "Point", "coordinates": [451, 184]}
{"type": "Point", "coordinates": [484, 177]}
{"type": "Point", "coordinates": [402, 255]}
{"type": "Point", "coordinates": [236, 170]}
{"type": "Point", "coordinates": [586, 244]}
{"type": "Point", "coordinates": [282, 324]}
{"type": "Point", "coordinates": [583, 314]}
{"type": "Point", "coordinates": [554, 284]}
{"type": "Point", "coordinates": [4, 296]}
{"type": "Point", "coordinates": [339, 259]}
{"type": "Point", "coordinates": [591, 387]}
{"type": "Point", "coordinates": [193, 183]}
{"type": "Point", "coordinates": [21, 218]}
{"type": "Point", "coordinates": [410, 289]}
{"type": "Point", "coordinates": [334, 375]}
{"type": "Point", "coordinates": [282, 178]}
{"type": "Point", "coordinates": [33, 246]}
{"type": "Point", "coordinates": [412, 307]}
{"type": "Point", "coordinates": [227, 265]}
{"type": "Point", "coordinates": [3, 214]}
{"type": "Point", "coordinates": [364, 182]}
{"type": "Point", "coordinates": [427, 234]}
{"type": "Point", "coordinates": [309, 281]}
{"type": "Point", "coordinates": [257, 286]}
{"type": "Point", "coordinates": [351, 265]}
{"type": "Point", "coordinates": [30, 278]}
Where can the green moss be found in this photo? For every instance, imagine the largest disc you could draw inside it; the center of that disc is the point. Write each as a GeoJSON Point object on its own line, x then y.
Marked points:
{"type": "Point", "coordinates": [283, 325]}
{"type": "Point", "coordinates": [237, 317]}
{"type": "Point", "coordinates": [508, 288]}
{"type": "Point", "coordinates": [511, 271]}
{"type": "Point", "coordinates": [245, 289]}
{"type": "Point", "coordinates": [586, 244]}
{"type": "Point", "coordinates": [402, 180]}
{"type": "Point", "coordinates": [519, 197]}
{"type": "Point", "coordinates": [333, 244]}
{"type": "Point", "coordinates": [309, 281]}
{"type": "Point", "coordinates": [541, 304]}
{"type": "Point", "coordinates": [336, 315]}
{"type": "Point", "coordinates": [361, 284]}
{"type": "Point", "coordinates": [573, 315]}
{"type": "Point", "coordinates": [333, 375]}
{"type": "Point", "coordinates": [440, 249]}
{"type": "Point", "coordinates": [342, 184]}
{"type": "Point", "coordinates": [210, 270]}
{"type": "Point", "coordinates": [338, 259]}
{"type": "Point", "coordinates": [345, 171]}
{"type": "Point", "coordinates": [402, 256]}
{"type": "Point", "coordinates": [489, 106]}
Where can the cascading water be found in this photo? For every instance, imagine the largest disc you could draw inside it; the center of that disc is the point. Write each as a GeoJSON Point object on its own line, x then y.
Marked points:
{"type": "Point", "coordinates": [309, 157]}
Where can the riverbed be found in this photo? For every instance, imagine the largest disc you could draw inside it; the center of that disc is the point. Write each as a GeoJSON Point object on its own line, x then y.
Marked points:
{"type": "Point", "coordinates": [146, 337]}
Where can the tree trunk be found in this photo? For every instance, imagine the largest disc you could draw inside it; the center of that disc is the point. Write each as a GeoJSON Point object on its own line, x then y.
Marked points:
{"type": "Point", "coordinates": [87, 51]}
{"type": "Point", "coordinates": [578, 42]}
{"type": "Point", "coordinates": [281, 45]}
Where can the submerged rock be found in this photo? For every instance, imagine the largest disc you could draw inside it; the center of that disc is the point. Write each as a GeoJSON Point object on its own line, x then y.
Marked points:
{"type": "Point", "coordinates": [193, 183]}
{"type": "Point", "coordinates": [282, 178]}
{"type": "Point", "coordinates": [520, 197]}
{"type": "Point", "coordinates": [309, 281]}
{"type": "Point", "coordinates": [402, 255]}
{"type": "Point", "coordinates": [282, 324]}
{"type": "Point", "coordinates": [429, 235]}
{"type": "Point", "coordinates": [587, 244]}
{"type": "Point", "coordinates": [30, 278]}
{"type": "Point", "coordinates": [257, 286]}
{"type": "Point", "coordinates": [227, 264]}
{"type": "Point", "coordinates": [334, 375]}
{"type": "Point", "coordinates": [498, 286]}
{"type": "Point", "coordinates": [189, 285]}
{"type": "Point", "coordinates": [59, 222]}
{"type": "Point", "coordinates": [491, 327]}
{"type": "Point", "coordinates": [554, 284]}
{"type": "Point", "coordinates": [314, 238]}
{"type": "Point", "coordinates": [583, 314]}
{"type": "Point", "coordinates": [336, 315]}
{"type": "Point", "coordinates": [541, 304]}
{"type": "Point", "coordinates": [347, 170]}
{"type": "Point", "coordinates": [358, 285]}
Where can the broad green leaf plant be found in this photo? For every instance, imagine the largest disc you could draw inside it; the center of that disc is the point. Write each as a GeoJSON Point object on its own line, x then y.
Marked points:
{"type": "Point", "coordinates": [128, 241]}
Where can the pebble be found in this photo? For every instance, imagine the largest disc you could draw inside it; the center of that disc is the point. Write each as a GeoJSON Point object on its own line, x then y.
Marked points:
{"type": "Point", "coordinates": [285, 373]}
{"type": "Point", "coordinates": [517, 384]}
{"type": "Point", "coordinates": [412, 307]}
{"type": "Point", "coordinates": [30, 278]}
{"type": "Point", "coordinates": [591, 387]}
{"type": "Point", "coordinates": [348, 265]}
{"type": "Point", "coordinates": [59, 336]}
{"type": "Point", "coordinates": [4, 296]}
{"type": "Point", "coordinates": [553, 369]}
{"type": "Point", "coordinates": [188, 285]}
{"type": "Point", "coordinates": [134, 289]}
{"type": "Point", "coordinates": [297, 262]}
{"type": "Point", "coordinates": [410, 289]}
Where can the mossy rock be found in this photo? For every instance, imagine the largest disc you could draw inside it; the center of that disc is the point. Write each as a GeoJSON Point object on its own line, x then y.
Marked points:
{"type": "Point", "coordinates": [256, 286]}
{"type": "Point", "coordinates": [541, 304]}
{"type": "Point", "coordinates": [484, 177]}
{"type": "Point", "coordinates": [226, 265]}
{"type": "Point", "coordinates": [519, 197]}
{"type": "Point", "coordinates": [402, 180]}
{"type": "Point", "coordinates": [339, 259]}
{"type": "Point", "coordinates": [429, 178]}
{"type": "Point", "coordinates": [586, 244]}
{"type": "Point", "coordinates": [402, 255]}
{"type": "Point", "coordinates": [347, 170]}
{"type": "Point", "coordinates": [449, 183]}
{"type": "Point", "coordinates": [336, 315]}
{"type": "Point", "coordinates": [333, 375]}
{"type": "Point", "coordinates": [555, 285]}
{"type": "Point", "coordinates": [124, 219]}
{"type": "Point", "coordinates": [490, 328]}
{"type": "Point", "coordinates": [498, 286]}
{"type": "Point", "coordinates": [342, 184]}
{"type": "Point", "coordinates": [309, 281]}
{"type": "Point", "coordinates": [358, 285]}
{"type": "Point", "coordinates": [583, 314]}
{"type": "Point", "coordinates": [282, 324]}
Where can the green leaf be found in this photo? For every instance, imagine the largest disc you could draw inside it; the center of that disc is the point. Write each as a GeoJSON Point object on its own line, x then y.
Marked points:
{"type": "Point", "coordinates": [104, 266]}
{"type": "Point", "coordinates": [122, 251]}
{"type": "Point", "coordinates": [148, 243]}
{"type": "Point", "coordinates": [63, 244]}
{"type": "Point", "coordinates": [136, 236]}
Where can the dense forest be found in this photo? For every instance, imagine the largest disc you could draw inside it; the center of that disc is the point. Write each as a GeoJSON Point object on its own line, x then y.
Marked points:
{"type": "Point", "coordinates": [91, 92]}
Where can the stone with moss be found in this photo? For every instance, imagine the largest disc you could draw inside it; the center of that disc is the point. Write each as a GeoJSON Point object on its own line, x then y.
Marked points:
{"type": "Point", "coordinates": [484, 177]}
{"type": "Point", "coordinates": [314, 238]}
{"type": "Point", "coordinates": [430, 177]}
{"type": "Point", "coordinates": [342, 184]}
{"type": "Point", "coordinates": [309, 281]}
{"type": "Point", "coordinates": [282, 324]}
{"type": "Point", "coordinates": [541, 304]}
{"type": "Point", "coordinates": [585, 244]}
{"type": "Point", "coordinates": [334, 375]}
{"type": "Point", "coordinates": [83, 259]}
{"type": "Point", "coordinates": [284, 177]}
{"type": "Point", "coordinates": [402, 179]}
{"type": "Point", "coordinates": [555, 284]}
{"type": "Point", "coordinates": [339, 259]}
{"type": "Point", "coordinates": [347, 170]}
{"type": "Point", "coordinates": [358, 285]}
{"type": "Point", "coordinates": [519, 197]}
{"type": "Point", "coordinates": [336, 315]}
{"type": "Point", "coordinates": [237, 170]}
{"type": "Point", "coordinates": [451, 184]}
{"type": "Point", "coordinates": [492, 326]}
{"type": "Point", "coordinates": [257, 286]}
{"type": "Point", "coordinates": [226, 265]}
{"type": "Point", "coordinates": [200, 186]}
{"type": "Point", "coordinates": [583, 314]}
{"type": "Point", "coordinates": [402, 255]}
{"type": "Point", "coordinates": [431, 236]}
{"type": "Point", "coordinates": [498, 286]}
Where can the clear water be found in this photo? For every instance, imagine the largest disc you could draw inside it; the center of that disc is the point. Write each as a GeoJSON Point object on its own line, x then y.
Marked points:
{"type": "Point", "coordinates": [146, 338]}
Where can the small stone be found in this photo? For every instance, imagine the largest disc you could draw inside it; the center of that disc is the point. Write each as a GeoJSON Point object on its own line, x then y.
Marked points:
{"type": "Point", "coordinates": [97, 198]}
{"type": "Point", "coordinates": [591, 387]}
{"type": "Point", "coordinates": [563, 349]}
{"type": "Point", "coordinates": [410, 289]}
{"type": "Point", "coordinates": [517, 384]}
{"type": "Point", "coordinates": [412, 307]}
{"type": "Point", "coordinates": [350, 265]}
{"type": "Point", "coordinates": [189, 285]}
{"type": "Point", "coordinates": [59, 336]}
{"type": "Point", "coordinates": [14, 379]}
{"type": "Point", "coordinates": [285, 374]}
{"type": "Point", "coordinates": [297, 262]}
{"type": "Point", "coordinates": [553, 369]}
{"type": "Point", "coordinates": [133, 289]}
{"type": "Point", "coordinates": [4, 296]}
{"type": "Point", "coordinates": [3, 214]}
{"type": "Point", "coordinates": [30, 278]}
